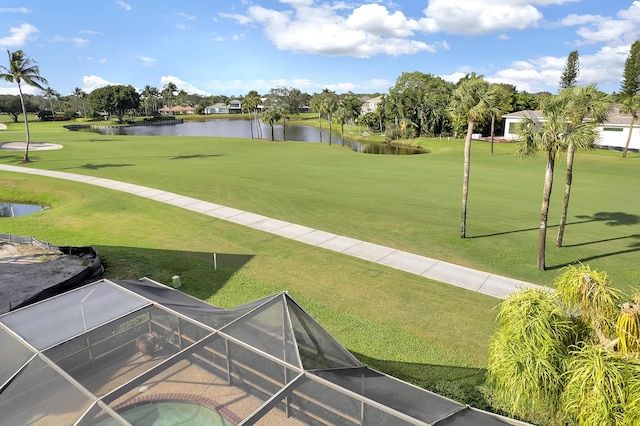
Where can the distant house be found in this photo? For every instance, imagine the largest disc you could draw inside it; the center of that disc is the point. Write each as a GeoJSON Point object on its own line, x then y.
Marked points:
{"type": "Point", "coordinates": [219, 108]}
{"type": "Point", "coordinates": [371, 104]}
{"type": "Point", "coordinates": [613, 133]}
{"type": "Point", "coordinates": [235, 106]}
{"type": "Point", "coordinates": [177, 110]}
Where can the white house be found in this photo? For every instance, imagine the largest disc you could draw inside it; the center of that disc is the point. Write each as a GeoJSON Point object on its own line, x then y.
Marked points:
{"type": "Point", "coordinates": [613, 133]}
{"type": "Point", "coordinates": [371, 104]}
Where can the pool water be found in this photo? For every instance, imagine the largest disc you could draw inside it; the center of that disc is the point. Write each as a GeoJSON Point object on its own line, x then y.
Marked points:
{"type": "Point", "coordinates": [169, 414]}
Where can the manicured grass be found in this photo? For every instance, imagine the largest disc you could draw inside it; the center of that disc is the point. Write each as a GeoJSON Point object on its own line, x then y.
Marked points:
{"type": "Point", "coordinates": [408, 202]}
{"type": "Point", "coordinates": [426, 332]}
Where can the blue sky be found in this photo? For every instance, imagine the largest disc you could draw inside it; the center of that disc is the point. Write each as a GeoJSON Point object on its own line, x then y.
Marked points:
{"type": "Point", "coordinates": [231, 47]}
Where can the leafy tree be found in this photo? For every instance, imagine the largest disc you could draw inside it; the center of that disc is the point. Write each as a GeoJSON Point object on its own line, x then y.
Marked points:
{"type": "Point", "coordinates": [319, 104]}
{"type": "Point", "coordinates": [571, 71]}
{"type": "Point", "coordinates": [148, 98]}
{"type": "Point", "coordinates": [470, 102]}
{"type": "Point", "coordinates": [272, 116]}
{"type": "Point", "coordinates": [342, 116]}
{"type": "Point", "coordinates": [560, 356]}
{"type": "Point", "coordinates": [22, 69]}
{"type": "Point", "coordinates": [630, 89]}
{"type": "Point", "coordinates": [421, 99]}
{"type": "Point", "coordinates": [499, 102]}
{"type": "Point", "coordinates": [115, 99]}
{"type": "Point", "coordinates": [585, 103]}
{"type": "Point", "coordinates": [551, 135]}
{"type": "Point", "coordinates": [11, 105]}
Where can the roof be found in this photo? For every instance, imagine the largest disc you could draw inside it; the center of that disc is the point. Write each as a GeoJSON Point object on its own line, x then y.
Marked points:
{"type": "Point", "coordinates": [78, 358]}
{"type": "Point", "coordinates": [615, 117]}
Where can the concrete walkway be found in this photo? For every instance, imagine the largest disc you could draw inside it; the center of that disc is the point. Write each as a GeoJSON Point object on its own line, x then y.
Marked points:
{"type": "Point", "coordinates": [471, 279]}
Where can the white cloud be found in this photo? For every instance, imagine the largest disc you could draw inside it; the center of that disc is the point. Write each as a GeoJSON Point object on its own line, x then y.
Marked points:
{"type": "Point", "coordinates": [182, 85]}
{"type": "Point", "coordinates": [147, 60]}
{"type": "Point", "coordinates": [240, 19]}
{"type": "Point", "coordinates": [14, 10]}
{"type": "Point", "coordinates": [319, 29]}
{"type": "Point", "coordinates": [187, 17]}
{"type": "Point", "coordinates": [80, 42]}
{"type": "Point", "coordinates": [376, 19]}
{"type": "Point", "coordinates": [124, 5]}
{"type": "Point", "coordinates": [93, 82]}
{"type": "Point", "coordinates": [503, 37]}
{"type": "Point", "coordinates": [480, 16]}
{"type": "Point", "coordinates": [19, 35]}
{"type": "Point", "coordinates": [574, 19]}
{"type": "Point", "coordinates": [90, 32]}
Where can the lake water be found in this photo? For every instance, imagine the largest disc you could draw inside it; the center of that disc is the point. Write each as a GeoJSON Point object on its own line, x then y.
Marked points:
{"type": "Point", "coordinates": [238, 128]}
{"type": "Point", "coordinates": [13, 210]}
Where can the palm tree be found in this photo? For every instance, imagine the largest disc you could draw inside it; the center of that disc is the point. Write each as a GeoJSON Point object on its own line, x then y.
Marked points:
{"type": "Point", "coordinates": [586, 103]}
{"type": "Point", "coordinates": [329, 107]}
{"type": "Point", "coordinates": [342, 116]}
{"type": "Point", "coordinates": [470, 100]}
{"type": "Point", "coordinates": [249, 105]}
{"type": "Point", "coordinates": [147, 95]}
{"type": "Point", "coordinates": [81, 95]}
{"type": "Point", "coordinates": [630, 105]}
{"type": "Point", "coordinates": [271, 116]}
{"type": "Point", "coordinates": [168, 92]}
{"type": "Point", "coordinates": [551, 135]}
{"type": "Point", "coordinates": [50, 93]}
{"type": "Point", "coordinates": [22, 69]}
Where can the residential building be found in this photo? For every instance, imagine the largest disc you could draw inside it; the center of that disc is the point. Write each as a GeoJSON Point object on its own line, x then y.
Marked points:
{"type": "Point", "coordinates": [613, 133]}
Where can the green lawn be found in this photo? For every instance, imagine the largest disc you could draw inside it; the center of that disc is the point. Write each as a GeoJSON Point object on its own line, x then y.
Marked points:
{"type": "Point", "coordinates": [426, 332]}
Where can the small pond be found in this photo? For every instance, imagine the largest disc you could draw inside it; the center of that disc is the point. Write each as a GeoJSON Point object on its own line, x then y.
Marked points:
{"type": "Point", "coordinates": [13, 210]}
{"type": "Point", "coordinates": [238, 128]}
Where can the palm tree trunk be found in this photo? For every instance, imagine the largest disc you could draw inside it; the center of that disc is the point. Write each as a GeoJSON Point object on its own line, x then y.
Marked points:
{"type": "Point", "coordinates": [329, 129]}
{"type": "Point", "coordinates": [25, 159]}
{"type": "Point", "coordinates": [544, 211]}
{"type": "Point", "coordinates": [320, 122]}
{"type": "Point", "coordinates": [342, 133]}
{"type": "Point", "coordinates": [567, 194]}
{"type": "Point", "coordinates": [493, 130]}
{"type": "Point", "coordinates": [626, 146]}
{"type": "Point", "coordinates": [465, 179]}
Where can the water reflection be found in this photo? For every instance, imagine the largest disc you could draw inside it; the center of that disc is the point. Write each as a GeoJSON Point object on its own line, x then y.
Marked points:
{"type": "Point", "coordinates": [13, 210]}
{"type": "Point", "coordinates": [239, 128]}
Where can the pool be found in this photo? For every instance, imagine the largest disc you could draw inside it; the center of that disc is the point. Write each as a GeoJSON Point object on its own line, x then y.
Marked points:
{"type": "Point", "coordinates": [169, 413]}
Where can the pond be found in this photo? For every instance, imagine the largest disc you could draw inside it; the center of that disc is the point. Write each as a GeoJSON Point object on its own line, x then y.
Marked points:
{"type": "Point", "coordinates": [13, 210]}
{"type": "Point", "coordinates": [238, 128]}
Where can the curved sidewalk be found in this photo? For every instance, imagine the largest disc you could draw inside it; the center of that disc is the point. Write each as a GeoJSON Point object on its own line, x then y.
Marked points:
{"type": "Point", "coordinates": [460, 276]}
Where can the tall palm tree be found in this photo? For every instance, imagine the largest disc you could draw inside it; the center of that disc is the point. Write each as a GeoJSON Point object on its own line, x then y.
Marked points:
{"type": "Point", "coordinates": [169, 90]}
{"type": "Point", "coordinates": [22, 69]}
{"type": "Point", "coordinates": [147, 95]}
{"type": "Point", "coordinates": [470, 100]}
{"type": "Point", "coordinates": [81, 95]}
{"type": "Point", "coordinates": [329, 106]}
{"type": "Point", "coordinates": [585, 103]}
{"type": "Point", "coordinates": [551, 135]}
{"type": "Point", "coordinates": [342, 116]}
{"type": "Point", "coordinates": [50, 93]}
{"type": "Point", "coordinates": [630, 105]}
{"type": "Point", "coordinates": [250, 104]}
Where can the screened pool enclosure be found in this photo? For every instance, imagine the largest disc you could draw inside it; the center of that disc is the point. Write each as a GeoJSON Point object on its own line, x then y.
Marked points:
{"type": "Point", "coordinates": [87, 356]}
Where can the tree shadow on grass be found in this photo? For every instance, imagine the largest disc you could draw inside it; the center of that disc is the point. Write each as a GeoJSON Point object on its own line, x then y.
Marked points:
{"type": "Point", "coordinates": [611, 219]}
{"type": "Point", "coordinates": [461, 384]}
{"type": "Point", "coordinates": [201, 275]}
{"type": "Point", "coordinates": [634, 247]}
{"type": "Point", "coordinates": [189, 157]}
{"type": "Point", "coordinates": [90, 166]}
